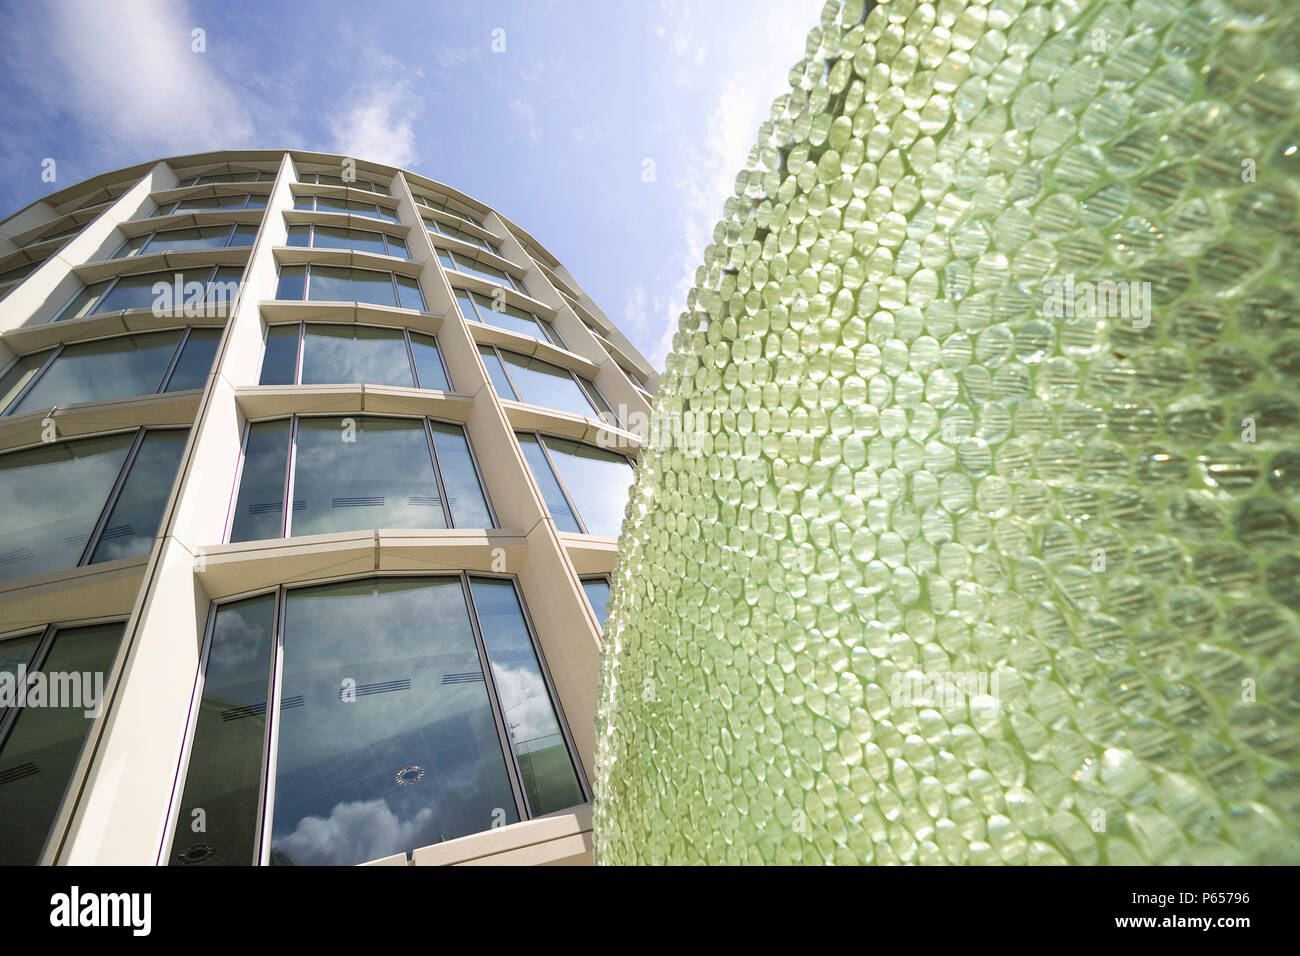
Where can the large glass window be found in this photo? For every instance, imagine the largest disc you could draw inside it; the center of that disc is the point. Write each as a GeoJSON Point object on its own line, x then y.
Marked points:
{"type": "Point", "coordinates": [209, 179]}
{"type": "Point", "coordinates": [342, 284]}
{"type": "Point", "coordinates": [346, 206]}
{"type": "Point", "coordinates": [408, 711]}
{"type": "Point", "coordinates": [182, 240]}
{"type": "Point", "coordinates": [330, 237]}
{"type": "Point", "coordinates": [461, 263]}
{"type": "Point", "coordinates": [498, 312]}
{"type": "Point", "coordinates": [328, 179]}
{"type": "Point", "coordinates": [39, 746]}
{"type": "Point", "coordinates": [121, 367]}
{"type": "Point", "coordinates": [79, 502]}
{"type": "Point", "coordinates": [208, 203]}
{"type": "Point", "coordinates": [443, 207]}
{"type": "Point", "coordinates": [180, 291]}
{"type": "Point", "coordinates": [597, 591]}
{"type": "Point", "coordinates": [585, 488]}
{"type": "Point", "coordinates": [526, 379]}
{"type": "Point", "coordinates": [455, 232]}
{"type": "Point", "coordinates": [337, 354]}
{"type": "Point", "coordinates": [357, 472]}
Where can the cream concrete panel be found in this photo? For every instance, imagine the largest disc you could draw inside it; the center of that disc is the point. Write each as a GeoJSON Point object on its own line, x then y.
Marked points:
{"type": "Point", "coordinates": [122, 812]}
{"type": "Point", "coordinates": [183, 220]}
{"type": "Point", "coordinates": [160, 262]}
{"type": "Point", "coordinates": [397, 859]}
{"type": "Point", "coordinates": [347, 258]}
{"type": "Point", "coordinates": [590, 554]}
{"type": "Point", "coordinates": [280, 311]}
{"type": "Point", "coordinates": [565, 425]}
{"type": "Point", "coordinates": [515, 837]}
{"type": "Point", "coordinates": [226, 570]}
{"type": "Point", "coordinates": [108, 589]}
{"type": "Point", "coordinates": [35, 337]}
{"type": "Point", "coordinates": [172, 409]}
{"type": "Point", "coordinates": [488, 288]}
{"type": "Point", "coordinates": [522, 344]}
{"type": "Point", "coordinates": [449, 550]}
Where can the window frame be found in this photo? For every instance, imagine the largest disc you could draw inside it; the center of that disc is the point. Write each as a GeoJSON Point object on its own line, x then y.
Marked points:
{"type": "Point", "coordinates": [57, 350]}
{"type": "Point", "coordinates": [609, 582]}
{"type": "Point", "coordinates": [314, 197]}
{"type": "Point", "coordinates": [386, 237]}
{"type": "Point", "coordinates": [151, 236]}
{"type": "Point", "coordinates": [115, 491]}
{"type": "Point", "coordinates": [406, 339]}
{"type": "Point", "coordinates": [438, 205]}
{"type": "Point", "coordinates": [431, 225]}
{"type": "Point", "coordinates": [582, 383]}
{"type": "Point", "coordinates": [512, 281]}
{"type": "Point", "coordinates": [392, 277]}
{"type": "Point", "coordinates": [559, 479]}
{"type": "Point", "coordinates": [291, 469]}
{"type": "Point", "coordinates": [198, 180]}
{"type": "Point", "coordinates": [548, 329]}
{"type": "Point", "coordinates": [112, 281]}
{"type": "Point", "coordinates": [372, 185]}
{"type": "Point", "coordinates": [9, 715]}
{"type": "Point", "coordinates": [170, 208]}
{"type": "Point", "coordinates": [263, 825]}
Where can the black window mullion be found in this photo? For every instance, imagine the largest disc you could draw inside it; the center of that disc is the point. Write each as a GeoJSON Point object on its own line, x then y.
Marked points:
{"type": "Point", "coordinates": [437, 471]}
{"type": "Point", "coordinates": [503, 731]}
{"type": "Point", "coordinates": [31, 382]}
{"type": "Point", "coordinates": [505, 367]}
{"type": "Point", "coordinates": [559, 480]}
{"type": "Point", "coordinates": [39, 653]}
{"type": "Point", "coordinates": [291, 466]}
{"type": "Point", "coordinates": [176, 357]}
{"type": "Point", "coordinates": [113, 495]}
{"type": "Point", "coordinates": [271, 742]}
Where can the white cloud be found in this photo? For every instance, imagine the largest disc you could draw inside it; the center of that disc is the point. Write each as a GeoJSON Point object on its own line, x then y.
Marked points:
{"type": "Point", "coordinates": [131, 67]}
{"type": "Point", "coordinates": [527, 117]}
{"type": "Point", "coordinates": [760, 48]}
{"type": "Point", "coordinates": [358, 830]}
{"type": "Point", "coordinates": [381, 127]}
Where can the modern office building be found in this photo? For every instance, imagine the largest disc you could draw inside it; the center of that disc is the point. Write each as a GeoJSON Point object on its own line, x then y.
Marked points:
{"type": "Point", "coordinates": [311, 473]}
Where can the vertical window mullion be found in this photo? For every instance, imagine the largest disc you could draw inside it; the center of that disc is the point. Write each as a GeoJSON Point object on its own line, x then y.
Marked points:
{"type": "Point", "coordinates": [410, 357]}
{"type": "Point", "coordinates": [31, 382]}
{"type": "Point", "coordinates": [437, 472]}
{"type": "Point", "coordinates": [42, 649]}
{"type": "Point", "coordinates": [98, 529]}
{"type": "Point", "coordinates": [302, 352]}
{"type": "Point", "coordinates": [176, 357]}
{"type": "Point", "coordinates": [239, 470]}
{"type": "Point", "coordinates": [291, 466]}
{"type": "Point", "coordinates": [266, 804]}
{"type": "Point", "coordinates": [559, 480]}
{"type": "Point", "coordinates": [478, 473]}
{"type": "Point", "coordinates": [505, 367]}
{"type": "Point", "coordinates": [306, 283]}
{"type": "Point", "coordinates": [503, 730]}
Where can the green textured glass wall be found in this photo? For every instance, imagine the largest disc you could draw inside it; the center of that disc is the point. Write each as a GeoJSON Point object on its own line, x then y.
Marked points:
{"type": "Point", "coordinates": [987, 551]}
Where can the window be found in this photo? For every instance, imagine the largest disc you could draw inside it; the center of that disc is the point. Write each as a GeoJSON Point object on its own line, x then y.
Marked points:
{"type": "Point", "coordinates": [459, 263]}
{"type": "Point", "coordinates": [206, 203]}
{"type": "Point", "coordinates": [531, 380]}
{"type": "Point", "coordinates": [80, 502]}
{"type": "Point", "coordinates": [496, 311]}
{"type": "Point", "coordinates": [445, 229]}
{"type": "Point", "coordinates": [404, 711]}
{"type": "Point", "coordinates": [341, 284]}
{"type": "Point", "coordinates": [329, 237]}
{"type": "Point", "coordinates": [208, 179]}
{"type": "Point", "coordinates": [347, 206]}
{"type": "Point", "coordinates": [189, 292]}
{"type": "Point", "coordinates": [121, 367]}
{"type": "Point", "coordinates": [20, 271]}
{"type": "Point", "coordinates": [354, 473]}
{"type": "Point", "coordinates": [335, 354]}
{"type": "Point", "coordinates": [70, 230]}
{"type": "Point", "coordinates": [443, 207]}
{"type": "Point", "coordinates": [327, 179]}
{"type": "Point", "coordinates": [597, 591]}
{"type": "Point", "coordinates": [183, 240]}
{"type": "Point", "coordinates": [565, 468]}
{"type": "Point", "coordinates": [40, 746]}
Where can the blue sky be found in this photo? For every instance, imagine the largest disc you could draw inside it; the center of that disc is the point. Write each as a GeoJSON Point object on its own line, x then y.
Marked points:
{"type": "Point", "coordinates": [554, 131]}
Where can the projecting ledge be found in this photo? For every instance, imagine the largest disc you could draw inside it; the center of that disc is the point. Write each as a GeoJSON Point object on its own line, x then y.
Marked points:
{"type": "Point", "coordinates": [249, 566]}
